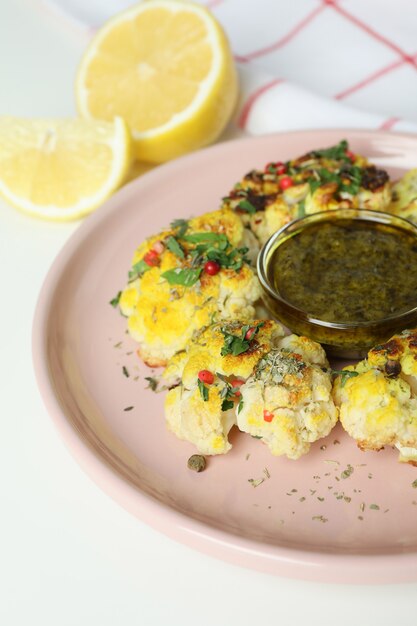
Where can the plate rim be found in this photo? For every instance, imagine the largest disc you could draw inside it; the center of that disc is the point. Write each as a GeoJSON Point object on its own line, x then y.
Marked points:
{"type": "Point", "coordinates": [396, 567]}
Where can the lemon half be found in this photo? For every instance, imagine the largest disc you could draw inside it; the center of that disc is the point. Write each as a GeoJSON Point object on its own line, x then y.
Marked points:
{"type": "Point", "coordinates": [165, 66]}
{"type": "Point", "coordinates": [62, 169]}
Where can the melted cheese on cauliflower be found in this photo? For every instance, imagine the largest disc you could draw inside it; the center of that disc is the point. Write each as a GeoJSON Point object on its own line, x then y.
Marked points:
{"type": "Point", "coordinates": [163, 314]}
{"type": "Point", "coordinates": [295, 389]}
{"type": "Point", "coordinates": [287, 401]}
{"type": "Point", "coordinates": [205, 418]}
{"type": "Point", "coordinates": [378, 399]}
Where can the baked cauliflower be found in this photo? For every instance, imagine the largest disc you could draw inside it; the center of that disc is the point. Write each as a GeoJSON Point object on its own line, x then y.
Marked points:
{"type": "Point", "coordinates": [184, 277]}
{"type": "Point", "coordinates": [320, 180]}
{"type": "Point", "coordinates": [404, 197]}
{"type": "Point", "coordinates": [378, 397]}
{"type": "Point", "coordinates": [229, 374]}
{"type": "Point", "coordinates": [287, 400]}
{"type": "Point", "coordinates": [202, 407]}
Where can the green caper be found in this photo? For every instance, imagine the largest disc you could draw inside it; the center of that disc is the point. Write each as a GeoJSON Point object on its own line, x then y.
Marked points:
{"type": "Point", "coordinates": [197, 462]}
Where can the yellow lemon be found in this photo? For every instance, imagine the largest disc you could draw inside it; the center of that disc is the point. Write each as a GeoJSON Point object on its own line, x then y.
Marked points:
{"type": "Point", "coordinates": [62, 169]}
{"type": "Point", "coordinates": [165, 66]}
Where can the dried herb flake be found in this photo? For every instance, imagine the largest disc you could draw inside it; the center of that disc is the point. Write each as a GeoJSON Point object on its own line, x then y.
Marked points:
{"type": "Point", "coordinates": [204, 391]}
{"type": "Point", "coordinates": [152, 383]}
{"type": "Point", "coordinates": [115, 301]}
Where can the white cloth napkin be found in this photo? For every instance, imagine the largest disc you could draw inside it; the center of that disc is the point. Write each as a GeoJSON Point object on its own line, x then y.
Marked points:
{"type": "Point", "coordinates": [307, 63]}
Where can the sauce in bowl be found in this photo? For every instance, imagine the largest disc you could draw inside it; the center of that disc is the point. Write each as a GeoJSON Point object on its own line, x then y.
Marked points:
{"type": "Point", "coordinates": [347, 271]}
{"type": "Point", "coordinates": [346, 278]}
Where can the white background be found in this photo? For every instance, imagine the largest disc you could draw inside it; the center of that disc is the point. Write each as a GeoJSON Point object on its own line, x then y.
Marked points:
{"type": "Point", "coordinates": [68, 554]}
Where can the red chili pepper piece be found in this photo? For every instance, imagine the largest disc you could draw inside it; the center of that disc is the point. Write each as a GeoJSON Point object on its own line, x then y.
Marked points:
{"type": "Point", "coordinates": [249, 333]}
{"type": "Point", "coordinates": [212, 268]}
{"type": "Point", "coordinates": [151, 258]}
{"type": "Point", "coordinates": [286, 182]}
{"type": "Point", "coordinates": [206, 377]}
{"type": "Point", "coordinates": [350, 155]}
{"type": "Point", "coordinates": [236, 383]}
{"type": "Point", "coordinates": [268, 416]}
{"type": "Point", "coordinates": [279, 167]}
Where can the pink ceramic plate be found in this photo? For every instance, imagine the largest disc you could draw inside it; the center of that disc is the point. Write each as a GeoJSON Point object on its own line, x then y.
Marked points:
{"type": "Point", "coordinates": [304, 518]}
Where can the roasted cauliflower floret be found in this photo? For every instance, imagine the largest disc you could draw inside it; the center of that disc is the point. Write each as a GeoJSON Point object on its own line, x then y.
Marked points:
{"type": "Point", "coordinates": [184, 277]}
{"type": "Point", "coordinates": [202, 407]}
{"type": "Point", "coordinates": [266, 383]}
{"type": "Point", "coordinates": [287, 401]}
{"type": "Point", "coordinates": [320, 180]}
{"type": "Point", "coordinates": [202, 423]}
{"type": "Point", "coordinates": [378, 397]}
{"type": "Point", "coordinates": [404, 197]}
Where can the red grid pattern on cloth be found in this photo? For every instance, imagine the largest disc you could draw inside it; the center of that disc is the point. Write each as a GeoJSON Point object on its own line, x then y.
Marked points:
{"type": "Point", "coordinates": [295, 31]}
{"type": "Point", "coordinates": [284, 40]}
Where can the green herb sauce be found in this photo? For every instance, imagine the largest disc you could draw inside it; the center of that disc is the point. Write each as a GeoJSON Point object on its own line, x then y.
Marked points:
{"type": "Point", "coordinates": [352, 271]}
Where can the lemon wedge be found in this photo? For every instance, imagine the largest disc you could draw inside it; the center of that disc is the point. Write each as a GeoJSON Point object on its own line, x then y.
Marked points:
{"type": "Point", "coordinates": [165, 66]}
{"type": "Point", "coordinates": [62, 169]}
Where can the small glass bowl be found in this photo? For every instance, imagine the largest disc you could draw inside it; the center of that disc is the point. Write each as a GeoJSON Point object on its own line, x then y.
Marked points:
{"type": "Point", "coordinates": [350, 340]}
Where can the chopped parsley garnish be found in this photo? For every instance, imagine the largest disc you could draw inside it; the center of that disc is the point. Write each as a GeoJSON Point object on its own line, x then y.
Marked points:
{"type": "Point", "coordinates": [229, 260]}
{"type": "Point", "coordinates": [186, 277]}
{"type": "Point", "coordinates": [344, 375]}
{"type": "Point", "coordinates": [240, 406]}
{"type": "Point", "coordinates": [204, 392]}
{"type": "Point", "coordinates": [348, 179]}
{"type": "Point", "coordinates": [208, 246]}
{"type": "Point", "coordinates": [337, 152]}
{"type": "Point", "coordinates": [116, 300]}
{"type": "Point", "coordinates": [125, 371]}
{"type": "Point", "coordinates": [205, 237]}
{"type": "Point", "coordinates": [175, 247]}
{"type": "Point", "coordinates": [228, 394]}
{"type": "Point", "coordinates": [227, 404]}
{"type": "Point", "coordinates": [245, 205]}
{"type": "Point", "coordinates": [301, 210]}
{"type": "Point", "coordinates": [236, 345]}
{"type": "Point", "coordinates": [138, 270]}
{"type": "Point", "coordinates": [181, 226]}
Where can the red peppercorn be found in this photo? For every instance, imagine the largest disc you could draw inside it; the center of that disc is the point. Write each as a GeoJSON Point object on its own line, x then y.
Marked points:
{"type": "Point", "coordinates": [286, 182]}
{"type": "Point", "coordinates": [212, 268]}
{"type": "Point", "coordinates": [151, 258]}
{"type": "Point", "coordinates": [350, 155]}
{"type": "Point", "coordinates": [236, 383]}
{"type": "Point", "coordinates": [206, 377]}
{"type": "Point", "coordinates": [249, 333]}
{"type": "Point", "coordinates": [268, 416]}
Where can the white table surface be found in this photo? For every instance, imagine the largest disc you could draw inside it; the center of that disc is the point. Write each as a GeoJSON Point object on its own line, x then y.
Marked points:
{"type": "Point", "coordinates": [69, 555]}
